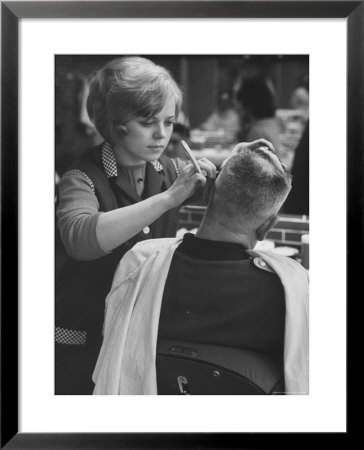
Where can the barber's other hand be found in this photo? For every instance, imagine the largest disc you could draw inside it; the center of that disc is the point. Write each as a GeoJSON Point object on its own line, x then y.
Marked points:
{"type": "Point", "coordinates": [253, 145]}
{"type": "Point", "coordinates": [207, 167]}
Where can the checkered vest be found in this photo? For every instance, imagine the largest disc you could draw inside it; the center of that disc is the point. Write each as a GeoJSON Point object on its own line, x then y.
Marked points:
{"type": "Point", "coordinates": [81, 287]}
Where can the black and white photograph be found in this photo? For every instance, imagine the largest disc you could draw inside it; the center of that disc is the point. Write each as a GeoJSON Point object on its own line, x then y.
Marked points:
{"type": "Point", "coordinates": [181, 213]}
{"type": "Point", "coordinates": [182, 224]}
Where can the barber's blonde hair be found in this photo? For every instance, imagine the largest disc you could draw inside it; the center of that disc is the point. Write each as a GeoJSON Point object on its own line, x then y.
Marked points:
{"type": "Point", "coordinates": [126, 88]}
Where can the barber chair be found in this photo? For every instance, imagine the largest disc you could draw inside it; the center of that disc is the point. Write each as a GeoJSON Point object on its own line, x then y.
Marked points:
{"type": "Point", "coordinates": [185, 368]}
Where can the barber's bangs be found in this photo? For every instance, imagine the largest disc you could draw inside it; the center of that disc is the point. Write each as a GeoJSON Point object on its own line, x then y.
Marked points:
{"type": "Point", "coordinates": [152, 98]}
{"type": "Point", "coordinates": [150, 102]}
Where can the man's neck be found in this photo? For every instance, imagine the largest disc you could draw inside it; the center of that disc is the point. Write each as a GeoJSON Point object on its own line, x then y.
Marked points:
{"type": "Point", "coordinates": [218, 230]}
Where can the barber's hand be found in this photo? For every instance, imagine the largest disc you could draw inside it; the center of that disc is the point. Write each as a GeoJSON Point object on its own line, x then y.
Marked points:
{"type": "Point", "coordinates": [250, 145]}
{"type": "Point", "coordinates": [186, 183]}
{"type": "Point", "coordinates": [207, 167]}
{"type": "Point", "coordinates": [253, 145]}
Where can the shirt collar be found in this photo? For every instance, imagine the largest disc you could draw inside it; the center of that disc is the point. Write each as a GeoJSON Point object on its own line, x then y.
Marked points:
{"type": "Point", "coordinates": [200, 248]}
{"type": "Point", "coordinates": [110, 165]}
{"type": "Point", "coordinates": [109, 161]}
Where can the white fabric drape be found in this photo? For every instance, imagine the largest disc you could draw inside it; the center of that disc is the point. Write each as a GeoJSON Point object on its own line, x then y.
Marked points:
{"type": "Point", "coordinates": [126, 364]}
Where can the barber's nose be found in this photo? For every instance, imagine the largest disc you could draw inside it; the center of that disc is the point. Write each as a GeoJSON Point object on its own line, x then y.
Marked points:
{"type": "Point", "coordinates": [160, 132]}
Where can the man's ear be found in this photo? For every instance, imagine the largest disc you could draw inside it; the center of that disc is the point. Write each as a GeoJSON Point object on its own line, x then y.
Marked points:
{"type": "Point", "coordinates": [262, 231]}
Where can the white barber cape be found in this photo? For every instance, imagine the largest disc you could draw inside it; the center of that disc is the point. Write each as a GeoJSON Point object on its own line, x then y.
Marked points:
{"type": "Point", "coordinates": [126, 363]}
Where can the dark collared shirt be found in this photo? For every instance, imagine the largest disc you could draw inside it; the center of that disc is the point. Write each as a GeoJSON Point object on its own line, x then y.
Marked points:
{"type": "Point", "coordinates": [215, 294]}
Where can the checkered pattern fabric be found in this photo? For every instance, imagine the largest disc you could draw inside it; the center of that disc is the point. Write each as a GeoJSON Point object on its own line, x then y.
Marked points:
{"type": "Point", "coordinates": [70, 337]}
{"type": "Point", "coordinates": [79, 172]}
{"type": "Point", "coordinates": [109, 161]}
{"type": "Point", "coordinates": [157, 166]}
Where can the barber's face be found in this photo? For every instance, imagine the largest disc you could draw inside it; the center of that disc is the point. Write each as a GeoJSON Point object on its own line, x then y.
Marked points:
{"type": "Point", "coordinates": [145, 139]}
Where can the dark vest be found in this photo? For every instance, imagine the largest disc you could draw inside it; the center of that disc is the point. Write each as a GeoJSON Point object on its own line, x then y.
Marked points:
{"type": "Point", "coordinates": [82, 287]}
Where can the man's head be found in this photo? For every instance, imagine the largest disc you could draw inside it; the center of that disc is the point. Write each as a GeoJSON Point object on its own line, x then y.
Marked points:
{"type": "Point", "coordinates": [249, 192]}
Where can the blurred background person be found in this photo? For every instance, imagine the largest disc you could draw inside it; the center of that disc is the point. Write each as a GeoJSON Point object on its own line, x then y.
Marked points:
{"type": "Point", "coordinates": [300, 97]}
{"type": "Point", "coordinates": [258, 101]}
{"type": "Point", "coordinates": [298, 199]}
{"type": "Point", "coordinates": [225, 117]}
{"type": "Point", "coordinates": [74, 131]}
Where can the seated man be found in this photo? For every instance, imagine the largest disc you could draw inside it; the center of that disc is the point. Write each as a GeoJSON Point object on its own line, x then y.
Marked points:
{"type": "Point", "coordinates": [213, 287]}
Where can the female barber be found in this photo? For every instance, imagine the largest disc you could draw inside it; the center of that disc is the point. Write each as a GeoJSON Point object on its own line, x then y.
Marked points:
{"type": "Point", "coordinates": [115, 195]}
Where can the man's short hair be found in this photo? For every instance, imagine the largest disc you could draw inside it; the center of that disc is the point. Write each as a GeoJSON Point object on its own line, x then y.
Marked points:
{"type": "Point", "coordinates": [126, 88]}
{"type": "Point", "coordinates": [251, 184]}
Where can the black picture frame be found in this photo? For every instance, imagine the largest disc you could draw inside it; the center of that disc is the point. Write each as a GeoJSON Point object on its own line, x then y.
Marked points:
{"type": "Point", "coordinates": [11, 12]}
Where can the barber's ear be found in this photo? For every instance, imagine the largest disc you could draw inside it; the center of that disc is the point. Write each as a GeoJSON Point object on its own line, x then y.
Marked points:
{"type": "Point", "coordinates": [263, 230]}
{"type": "Point", "coordinates": [120, 130]}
